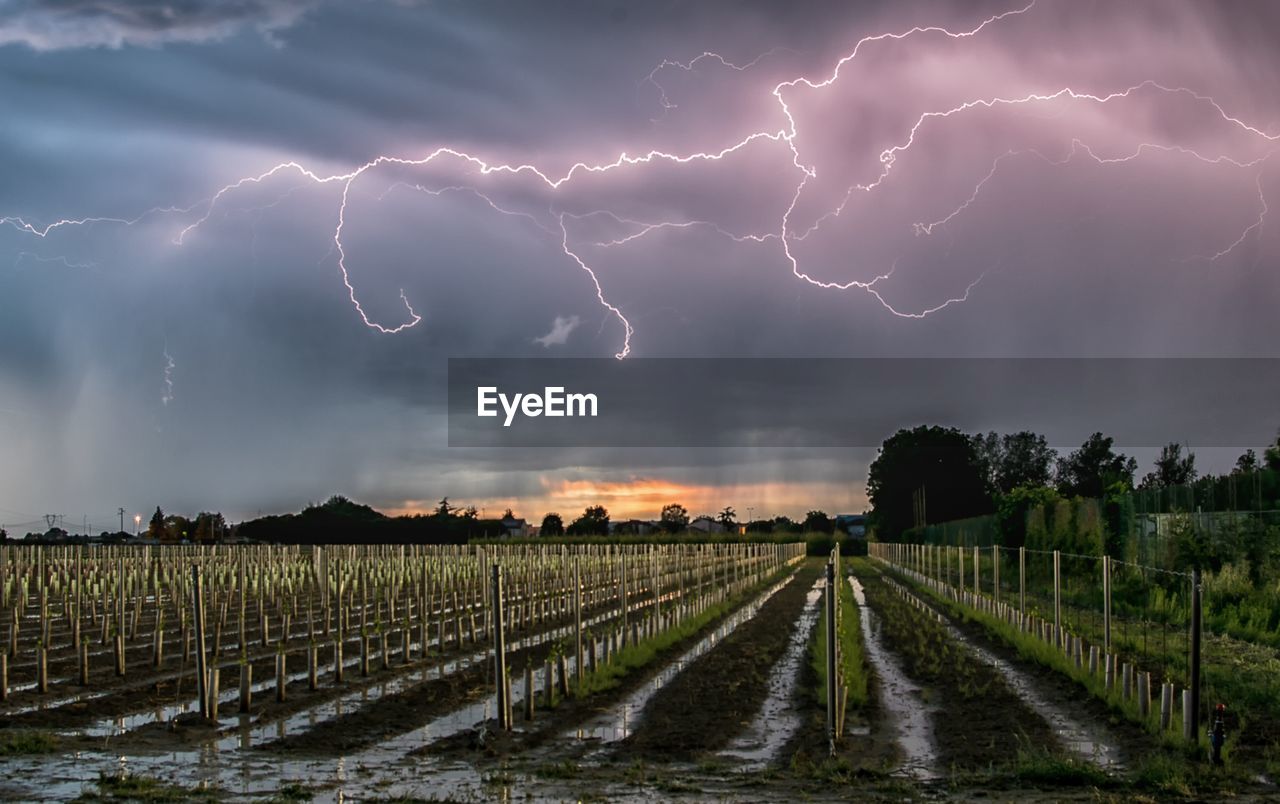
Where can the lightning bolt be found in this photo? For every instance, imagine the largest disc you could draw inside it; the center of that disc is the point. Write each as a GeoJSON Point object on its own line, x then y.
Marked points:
{"type": "Point", "coordinates": [61, 260]}
{"type": "Point", "coordinates": [169, 366]}
{"type": "Point", "coordinates": [691, 65]}
{"type": "Point", "coordinates": [1077, 148]}
{"type": "Point", "coordinates": [787, 133]}
{"type": "Point", "coordinates": [1256, 226]}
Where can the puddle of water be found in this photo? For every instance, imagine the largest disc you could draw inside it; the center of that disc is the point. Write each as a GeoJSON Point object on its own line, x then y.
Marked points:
{"type": "Point", "coordinates": [901, 697]}
{"type": "Point", "coordinates": [620, 720]}
{"type": "Point", "coordinates": [778, 719]}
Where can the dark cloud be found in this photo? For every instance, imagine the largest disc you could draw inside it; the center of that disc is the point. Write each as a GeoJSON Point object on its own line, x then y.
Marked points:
{"type": "Point", "coordinates": [63, 24]}
{"type": "Point", "coordinates": [282, 393]}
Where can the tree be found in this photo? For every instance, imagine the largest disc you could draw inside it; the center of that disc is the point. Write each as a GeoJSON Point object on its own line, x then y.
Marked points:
{"type": "Point", "coordinates": [675, 518]}
{"type": "Point", "coordinates": [728, 519]}
{"type": "Point", "coordinates": [1089, 470]}
{"type": "Point", "coordinates": [593, 522]}
{"type": "Point", "coordinates": [1247, 463]}
{"type": "Point", "coordinates": [1026, 459]}
{"type": "Point", "coordinates": [177, 528]}
{"type": "Point", "coordinates": [1272, 455]}
{"type": "Point", "coordinates": [1172, 468]}
{"type": "Point", "coordinates": [941, 461]}
{"type": "Point", "coordinates": [208, 527]}
{"type": "Point", "coordinates": [156, 529]}
{"type": "Point", "coordinates": [470, 512]}
{"type": "Point", "coordinates": [4, 535]}
{"type": "Point", "coordinates": [552, 525]}
{"type": "Point", "coordinates": [508, 514]}
{"type": "Point", "coordinates": [444, 509]}
{"type": "Point", "coordinates": [784, 524]}
{"type": "Point", "coordinates": [818, 522]}
{"type": "Point", "coordinates": [990, 450]}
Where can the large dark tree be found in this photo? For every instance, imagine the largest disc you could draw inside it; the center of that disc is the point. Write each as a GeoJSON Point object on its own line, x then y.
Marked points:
{"type": "Point", "coordinates": [675, 518]}
{"type": "Point", "coordinates": [1172, 468]}
{"type": "Point", "coordinates": [156, 529]}
{"type": "Point", "coordinates": [1089, 470]}
{"type": "Point", "coordinates": [818, 522]}
{"type": "Point", "coordinates": [552, 525]}
{"type": "Point", "coordinates": [941, 461]}
{"type": "Point", "coordinates": [1026, 459]}
{"type": "Point", "coordinates": [784, 524]}
{"type": "Point", "coordinates": [208, 527]}
{"type": "Point", "coordinates": [990, 450]}
{"type": "Point", "coordinates": [1247, 463]}
{"type": "Point", "coordinates": [593, 522]}
{"type": "Point", "coordinates": [1272, 455]}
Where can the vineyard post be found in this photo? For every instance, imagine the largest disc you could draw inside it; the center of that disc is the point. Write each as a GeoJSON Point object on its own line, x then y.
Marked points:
{"type": "Point", "coordinates": [831, 655]}
{"type": "Point", "coordinates": [528, 691]}
{"type": "Point", "coordinates": [995, 573]}
{"type": "Point", "coordinates": [1057, 597]}
{"type": "Point", "coordinates": [500, 650]}
{"type": "Point", "coordinates": [1106, 603]}
{"type": "Point", "coordinates": [1022, 579]}
{"type": "Point", "coordinates": [1196, 613]}
{"type": "Point", "coordinates": [577, 618]}
{"type": "Point", "coordinates": [202, 668]}
{"type": "Point", "coordinates": [977, 573]}
{"type": "Point", "coordinates": [246, 685]}
{"type": "Point", "coordinates": [622, 575]}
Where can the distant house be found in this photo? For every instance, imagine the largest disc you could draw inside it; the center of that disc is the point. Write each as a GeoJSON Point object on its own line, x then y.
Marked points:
{"type": "Point", "coordinates": [853, 525]}
{"type": "Point", "coordinates": [634, 527]}
{"type": "Point", "coordinates": [513, 528]}
{"type": "Point", "coordinates": [705, 524]}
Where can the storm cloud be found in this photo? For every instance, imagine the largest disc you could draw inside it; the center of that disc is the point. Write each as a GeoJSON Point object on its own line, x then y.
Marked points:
{"type": "Point", "coordinates": [1062, 180]}
{"type": "Point", "coordinates": [61, 24]}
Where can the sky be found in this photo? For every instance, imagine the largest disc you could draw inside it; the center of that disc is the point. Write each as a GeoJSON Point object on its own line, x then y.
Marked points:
{"type": "Point", "coordinates": [240, 240]}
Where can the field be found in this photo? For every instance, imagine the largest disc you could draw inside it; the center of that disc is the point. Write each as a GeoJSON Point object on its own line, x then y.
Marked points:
{"type": "Point", "coordinates": [632, 672]}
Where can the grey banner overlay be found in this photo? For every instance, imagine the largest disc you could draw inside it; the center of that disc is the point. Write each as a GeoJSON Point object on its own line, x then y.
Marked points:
{"type": "Point", "coordinates": [858, 402]}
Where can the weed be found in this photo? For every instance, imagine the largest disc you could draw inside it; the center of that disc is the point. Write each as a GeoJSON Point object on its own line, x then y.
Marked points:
{"type": "Point", "coordinates": [28, 743]}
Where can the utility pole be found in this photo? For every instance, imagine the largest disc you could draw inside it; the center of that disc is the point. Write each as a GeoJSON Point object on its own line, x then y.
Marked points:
{"type": "Point", "coordinates": [122, 520]}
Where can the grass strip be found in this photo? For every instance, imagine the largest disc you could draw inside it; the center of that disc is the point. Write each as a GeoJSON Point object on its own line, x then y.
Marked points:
{"type": "Point", "coordinates": [853, 663]}
{"type": "Point", "coordinates": [639, 655]}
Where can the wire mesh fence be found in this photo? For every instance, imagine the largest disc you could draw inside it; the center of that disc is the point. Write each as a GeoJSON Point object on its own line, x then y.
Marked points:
{"type": "Point", "coordinates": [1117, 573]}
{"type": "Point", "coordinates": [1138, 619]}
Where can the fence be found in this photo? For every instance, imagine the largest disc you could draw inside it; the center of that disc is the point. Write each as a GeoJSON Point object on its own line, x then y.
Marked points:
{"type": "Point", "coordinates": [1126, 622]}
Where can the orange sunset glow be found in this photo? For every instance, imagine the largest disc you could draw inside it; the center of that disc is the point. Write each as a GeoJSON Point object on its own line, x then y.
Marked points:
{"type": "Point", "coordinates": [643, 498]}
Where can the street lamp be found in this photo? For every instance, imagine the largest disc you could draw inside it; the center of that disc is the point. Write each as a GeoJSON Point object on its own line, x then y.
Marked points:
{"type": "Point", "coordinates": [137, 522]}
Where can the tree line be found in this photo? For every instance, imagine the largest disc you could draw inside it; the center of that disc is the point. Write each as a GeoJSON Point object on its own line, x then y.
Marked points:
{"type": "Point", "coordinates": [930, 474]}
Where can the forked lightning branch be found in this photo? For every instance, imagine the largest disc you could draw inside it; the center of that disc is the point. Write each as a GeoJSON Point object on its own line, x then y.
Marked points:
{"type": "Point", "coordinates": [552, 402]}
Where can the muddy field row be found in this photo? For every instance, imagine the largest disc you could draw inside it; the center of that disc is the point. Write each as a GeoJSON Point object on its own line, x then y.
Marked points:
{"type": "Point", "coordinates": [722, 701]}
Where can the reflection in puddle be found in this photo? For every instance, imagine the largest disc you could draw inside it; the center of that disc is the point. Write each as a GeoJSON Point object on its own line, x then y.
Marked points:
{"type": "Point", "coordinates": [901, 698]}
{"type": "Point", "coordinates": [778, 718]}
{"type": "Point", "coordinates": [620, 720]}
